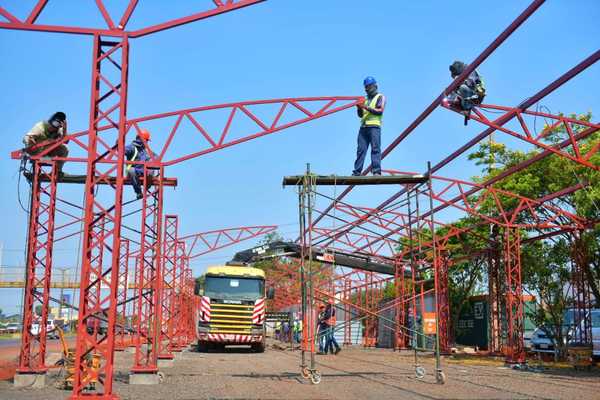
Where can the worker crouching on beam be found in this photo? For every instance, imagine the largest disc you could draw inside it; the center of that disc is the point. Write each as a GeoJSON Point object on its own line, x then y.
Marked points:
{"type": "Point", "coordinates": [370, 112]}
{"type": "Point", "coordinates": [48, 132]}
{"type": "Point", "coordinates": [138, 150]}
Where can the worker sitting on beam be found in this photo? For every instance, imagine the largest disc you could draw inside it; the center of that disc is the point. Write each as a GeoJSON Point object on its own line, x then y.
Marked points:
{"type": "Point", "coordinates": [469, 94]}
{"type": "Point", "coordinates": [371, 113]}
{"type": "Point", "coordinates": [138, 150]}
{"type": "Point", "coordinates": [44, 134]}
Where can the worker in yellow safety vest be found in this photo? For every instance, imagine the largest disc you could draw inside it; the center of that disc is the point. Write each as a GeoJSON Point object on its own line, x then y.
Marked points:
{"type": "Point", "coordinates": [138, 150]}
{"type": "Point", "coordinates": [370, 112]}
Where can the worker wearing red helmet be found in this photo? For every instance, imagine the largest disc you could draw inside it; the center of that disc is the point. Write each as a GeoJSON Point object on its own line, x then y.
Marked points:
{"type": "Point", "coordinates": [138, 150]}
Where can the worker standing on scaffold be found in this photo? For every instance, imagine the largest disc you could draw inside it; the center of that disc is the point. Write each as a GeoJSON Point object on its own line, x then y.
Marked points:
{"type": "Point", "coordinates": [138, 150]}
{"type": "Point", "coordinates": [371, 113]}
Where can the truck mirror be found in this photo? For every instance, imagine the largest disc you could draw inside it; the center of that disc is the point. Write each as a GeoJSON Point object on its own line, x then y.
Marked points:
{"type": "Point", "coordinates": [270, 293]}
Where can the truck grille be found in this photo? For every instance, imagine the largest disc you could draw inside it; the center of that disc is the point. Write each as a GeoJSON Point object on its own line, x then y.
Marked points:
{"type": "Point", "coordinates": [231, 318]}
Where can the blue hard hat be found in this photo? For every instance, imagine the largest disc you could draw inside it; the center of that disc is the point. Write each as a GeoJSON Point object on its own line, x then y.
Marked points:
{"type": "Point", "coordinates": [369, 80]}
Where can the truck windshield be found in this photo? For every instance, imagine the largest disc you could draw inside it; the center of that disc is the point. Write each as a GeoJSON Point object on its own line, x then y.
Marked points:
{"type": "Point", "coordinates": [231, 288]}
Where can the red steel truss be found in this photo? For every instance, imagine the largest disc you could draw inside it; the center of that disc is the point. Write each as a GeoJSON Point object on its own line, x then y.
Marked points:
{"type": "Point", "coordinates": [209, 241]}
{"type": "Point", "coordinates": [42, 206]}
{"type": "Point", "coordinates": [547, 138]}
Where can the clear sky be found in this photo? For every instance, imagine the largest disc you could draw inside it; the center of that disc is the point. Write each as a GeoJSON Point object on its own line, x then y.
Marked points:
{"type": "Point", "coordinates": [287, 49]}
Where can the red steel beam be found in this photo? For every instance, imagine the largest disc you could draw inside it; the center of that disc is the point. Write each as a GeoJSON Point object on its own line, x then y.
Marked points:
{"type": "Point", "coordinates": [455, 84]}
{"type": "Point", "coordinates": [117, 31]}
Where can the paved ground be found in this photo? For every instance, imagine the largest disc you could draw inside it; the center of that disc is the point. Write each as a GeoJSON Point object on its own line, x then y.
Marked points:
{"type": "Point", "coordinates": [353, 374]}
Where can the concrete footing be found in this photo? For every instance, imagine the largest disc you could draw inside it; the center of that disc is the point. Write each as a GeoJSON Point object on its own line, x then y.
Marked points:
{"type": "Point", "coordinates": [144, 378]}
{"type": "Point", "coordinates": [178, 355]}
{"type": "Point", "coordinates": [165, 362]}
{"type": "Point", "coordinates": [34, 380]}
{"type": "Point", "coordinates": [130, 350]}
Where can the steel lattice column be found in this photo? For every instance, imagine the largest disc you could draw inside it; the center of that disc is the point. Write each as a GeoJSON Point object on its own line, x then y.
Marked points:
{"type": "Point", "coordinates": [495, 295]}
{"type": "Point", "coordinates": [40, 238]}
{"type": "Point", "coordinates": [122, 335]}
{"type": "Point", "coordinates": [401, 337]}
{"type": "Point", "coordinates": [443, 301]}
{"type": "Point", "coordinates": [150, 283]}
{"type": "Point", "coordinates": [581, 292]}
{"type": "Point", "coordinates": [167, 341]}
{"type": "Point", "coordinates": [514, 296]}
{"type": "Point", "coordinates": [108, 105]}
{"type": "Point", "coordinates": [179, 314]}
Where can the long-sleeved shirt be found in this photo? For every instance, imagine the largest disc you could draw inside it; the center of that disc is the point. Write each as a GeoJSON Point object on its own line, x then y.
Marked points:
{"type": "Point", "coordinates": [380, 104]}
{"type": "Point", "coordinates": [40, 132]}
{"type": "Point", "coordinates": [142, 154]}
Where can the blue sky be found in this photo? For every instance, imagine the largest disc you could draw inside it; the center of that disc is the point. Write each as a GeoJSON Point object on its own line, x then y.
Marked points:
{"type": "Point", "coordinates": [288, 49]}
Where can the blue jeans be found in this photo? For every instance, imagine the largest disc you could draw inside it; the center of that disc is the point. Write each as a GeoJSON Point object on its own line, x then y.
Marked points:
{"type": "Point", "coordinates": [330, 342]}
{"type": "Point", "coordinates": [322, 337]}
{"type": "Point", "coordinates": [368, 135]}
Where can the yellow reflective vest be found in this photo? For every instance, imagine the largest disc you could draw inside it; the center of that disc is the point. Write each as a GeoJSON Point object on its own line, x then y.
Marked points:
{"type": "Point", "coordinates": [369, 119]}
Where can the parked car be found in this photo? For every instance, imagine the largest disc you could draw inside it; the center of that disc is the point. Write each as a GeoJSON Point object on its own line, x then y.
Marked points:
{"type": "Point", "coordinates": [50, 331]}
{"type": "Point", "coordinates": [543, 343]}
{"type": "Point", "coordinates": [97, 322]}
{"type": "Point", "coordinates": [13, 327]}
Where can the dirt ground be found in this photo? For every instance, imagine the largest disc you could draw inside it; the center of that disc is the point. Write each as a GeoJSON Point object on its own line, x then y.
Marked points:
{"type": "Point", "coordinates": [355, 373]}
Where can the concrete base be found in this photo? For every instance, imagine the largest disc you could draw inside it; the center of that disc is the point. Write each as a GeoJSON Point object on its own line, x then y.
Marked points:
{"type": "Point", "coordinates": [35, 381]}
{"type": "Point", "coordinates": [165, 363]}
{"type": "Point", "coordinates": [178, 355]}
{"type": "Point", "coordinates": [144, 379]}
{"type": "Point", "coordinates": [130, 350]}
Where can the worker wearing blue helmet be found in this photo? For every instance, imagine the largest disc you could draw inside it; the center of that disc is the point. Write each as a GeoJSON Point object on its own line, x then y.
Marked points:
{"type": "Point", "coordinates": [370, 112]}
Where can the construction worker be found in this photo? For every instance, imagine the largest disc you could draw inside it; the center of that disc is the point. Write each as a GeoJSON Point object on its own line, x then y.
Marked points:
{"type": "Point", "coordinates": [138, 150]}
{"type": "Point", "coordinates": [371, 113]}
{"type": "Point", "coordinates": [52, 129]}
{"type": "Point", "coordinates": [469, 94]}
{"type": "Point", "coordinates": [330, 320]}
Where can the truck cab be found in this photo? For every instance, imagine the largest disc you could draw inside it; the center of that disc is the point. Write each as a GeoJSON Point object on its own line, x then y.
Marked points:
{"type": "Point", "coordinates": [232, 308]}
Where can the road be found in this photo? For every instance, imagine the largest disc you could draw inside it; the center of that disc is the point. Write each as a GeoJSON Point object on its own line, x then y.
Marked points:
{"type": "Point", "coordinates": [355, 373]}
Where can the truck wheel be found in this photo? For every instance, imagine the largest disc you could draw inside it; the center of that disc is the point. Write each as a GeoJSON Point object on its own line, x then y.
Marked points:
{"type": "Point", "coordinates": [202, 347]}
{"type": "Point", "coordinates": [258, 347]}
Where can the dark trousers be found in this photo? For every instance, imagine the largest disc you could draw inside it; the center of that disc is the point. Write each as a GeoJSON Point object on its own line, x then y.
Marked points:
{"type": "Point", "coordinates": [368, 135]}
{"type": "Point", "coordinates": [134, 176]}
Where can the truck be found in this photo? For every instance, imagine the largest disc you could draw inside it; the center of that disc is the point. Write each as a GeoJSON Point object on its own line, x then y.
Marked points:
{"type": "Point", "coordinates": [232, 308]}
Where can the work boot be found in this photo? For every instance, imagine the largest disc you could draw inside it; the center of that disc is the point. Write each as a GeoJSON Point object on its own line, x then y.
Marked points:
{"type": "Point", "coordinates": [337, 351]}
{"type": "Point", "coordinates": [139, 196]}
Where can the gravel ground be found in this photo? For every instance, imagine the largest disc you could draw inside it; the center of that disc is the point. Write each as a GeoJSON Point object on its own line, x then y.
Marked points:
{"type": "Point", "coordinates": [355, 373]}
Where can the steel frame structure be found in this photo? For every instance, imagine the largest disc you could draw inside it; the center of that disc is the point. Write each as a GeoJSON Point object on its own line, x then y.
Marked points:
{"type": "Point", "coordinates": [105, 163]}
{"type": "Point", "coordinates": [103, 239]}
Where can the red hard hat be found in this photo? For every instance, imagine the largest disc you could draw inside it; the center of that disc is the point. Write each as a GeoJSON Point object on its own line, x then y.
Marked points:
{"type": "Point", "coordinates": [144, 134]}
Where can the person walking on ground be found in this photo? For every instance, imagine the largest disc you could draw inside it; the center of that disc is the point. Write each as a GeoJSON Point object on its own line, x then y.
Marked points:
{"type": "Point", "coordinates": [370, 113]}
{"type": "Point", "coordinates": [52, 129]}
{"type": "Point", "coordinates": [138, 150]}
{"type": "Point", "coordinates": [330, 321]}
{"type": "Point", "coordinates": [321, 329]}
